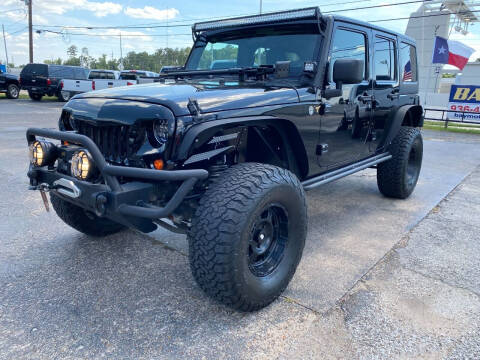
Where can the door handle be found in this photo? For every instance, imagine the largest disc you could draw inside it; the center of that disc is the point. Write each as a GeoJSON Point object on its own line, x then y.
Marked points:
{"type": "Point", "coordinates": [366, 98]}
{"type": "Point", "coordinates": [394, 94]}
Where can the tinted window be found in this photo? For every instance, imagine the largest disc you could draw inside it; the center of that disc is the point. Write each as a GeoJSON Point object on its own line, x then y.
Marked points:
{"type": "Point", "coordinates": [37, 69]}
{"type": "Point", "coordinates": [348, 45]}
{"type": "Point", "coordinates": [61, 72]}
{"type": "Point", "coordinates": [263, 47]}
{"type": "Point", "coordinates": [384, 63]}
{"type": "Point", "coordinates": [109, 75]}
{"type": "Point", "coordinates": [79, 73]}
{"type": "Point", "coordinates": [128, 76]}
{"type": "Point", "coordinates": [94, 75]}
{"type": "Point", "coordinates": [408, 63]}
{"type": "Point", "coordinates": [219, 56]}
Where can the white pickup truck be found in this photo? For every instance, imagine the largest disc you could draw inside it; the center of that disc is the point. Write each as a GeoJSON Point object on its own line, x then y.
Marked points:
{"type": "Point", "coordinates": [97, 80]}
{"type": "Point", "coordinates": [141, 76]}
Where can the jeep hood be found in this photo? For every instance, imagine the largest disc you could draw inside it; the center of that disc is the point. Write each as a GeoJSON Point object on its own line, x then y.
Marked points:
{"type": "Point", "coordinates": [210, 98]}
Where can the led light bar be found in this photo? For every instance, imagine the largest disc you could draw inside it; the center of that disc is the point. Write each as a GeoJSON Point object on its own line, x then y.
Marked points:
{"type": "Point", "coordinates": [307, 13]}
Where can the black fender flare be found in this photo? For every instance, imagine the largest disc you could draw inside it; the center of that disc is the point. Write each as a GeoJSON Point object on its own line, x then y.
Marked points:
{"type": "Point", "coordinates": [409, 115]}
{"type": "Point", "coordinates": [200, 133]}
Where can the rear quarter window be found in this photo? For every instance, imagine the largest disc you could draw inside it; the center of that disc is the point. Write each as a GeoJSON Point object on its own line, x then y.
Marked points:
{"type": "Point", "coordinates": [408, 63]}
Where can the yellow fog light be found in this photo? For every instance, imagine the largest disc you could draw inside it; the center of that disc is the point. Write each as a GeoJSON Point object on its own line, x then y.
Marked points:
{"type": "Point", "coordinates": [82, 166]}
{"type": "Point", "coordinates": [42, 153]}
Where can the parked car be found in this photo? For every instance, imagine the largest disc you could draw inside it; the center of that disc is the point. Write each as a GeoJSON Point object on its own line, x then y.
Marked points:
{"type": "Point", "coordinates": [42, 79]}
{"type": "Point", "coordinates": [97, 80]}
{"type": "Point", "coordinates": [226, 155]}
{"type": "Point", "coordinates": [141, 76]}
{"type": "Point", "coordinates": [9, 85]}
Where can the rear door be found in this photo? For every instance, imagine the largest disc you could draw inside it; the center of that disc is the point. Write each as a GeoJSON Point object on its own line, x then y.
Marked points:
{"type": "Point", "coordinates": [34, 75]}
{"type": "Point", "coordinates": [344, 126]}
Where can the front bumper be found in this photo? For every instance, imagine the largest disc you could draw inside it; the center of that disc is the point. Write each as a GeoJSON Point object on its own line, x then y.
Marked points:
{"type": "Point", "coordinates": [125, 203]}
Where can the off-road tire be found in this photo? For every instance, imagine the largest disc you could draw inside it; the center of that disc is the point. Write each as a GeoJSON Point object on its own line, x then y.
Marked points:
{"type": "Point", "coordinates": [84, 221]}
{"type": "Point", "coordinates": [35, 96]}
{"type": "Point", "coordinates": [397, 177]}
{"type": "Point", "coordinates": [223, 226]}
{"type": "Point", "coordinates": [13, 91]}
{"type": "Point", "coordinates": [64, 96]}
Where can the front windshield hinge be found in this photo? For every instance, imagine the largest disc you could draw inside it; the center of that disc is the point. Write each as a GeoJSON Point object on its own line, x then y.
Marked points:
{"type": "Point", "coordinates": [193, 107]}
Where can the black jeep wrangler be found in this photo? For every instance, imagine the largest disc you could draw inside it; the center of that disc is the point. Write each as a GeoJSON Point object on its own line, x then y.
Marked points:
{"type": "Point", "coordinates": [9, 85]}
{"type": "Point", "coordinates": [225, 155]}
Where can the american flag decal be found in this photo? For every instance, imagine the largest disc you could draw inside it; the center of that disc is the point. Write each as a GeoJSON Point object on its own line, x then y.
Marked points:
{"type": "Point", "coordinates": [407, 72]}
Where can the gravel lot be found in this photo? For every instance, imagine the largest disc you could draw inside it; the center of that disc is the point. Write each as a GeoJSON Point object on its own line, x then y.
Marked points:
{"type": "Point", "coordinates": [379, 278]}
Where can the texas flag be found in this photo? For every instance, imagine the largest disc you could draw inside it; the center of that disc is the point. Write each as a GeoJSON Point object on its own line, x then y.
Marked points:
{"type": "Point", "coordinates": [451, 52]}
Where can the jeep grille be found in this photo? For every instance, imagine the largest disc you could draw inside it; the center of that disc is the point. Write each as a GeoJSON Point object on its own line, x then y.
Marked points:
{"type": "Point", "coordinates": [118, 143]}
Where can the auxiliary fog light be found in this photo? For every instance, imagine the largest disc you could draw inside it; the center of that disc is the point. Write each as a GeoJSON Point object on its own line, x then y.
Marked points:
{"type": "Point", "coordinates": [42, 153]}
{"type": "Point", "coordinates": [82, 166]}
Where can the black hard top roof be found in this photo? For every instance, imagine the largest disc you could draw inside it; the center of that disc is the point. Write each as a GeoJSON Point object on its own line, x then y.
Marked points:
{"type": "Point", "coordinates": [371, 26]}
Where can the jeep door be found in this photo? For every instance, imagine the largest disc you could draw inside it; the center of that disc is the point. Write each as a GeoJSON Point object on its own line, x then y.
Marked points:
{"type": "Point", "coordinates": [386, 86]}
{"type": "Point", "coordinates": [344, 126]}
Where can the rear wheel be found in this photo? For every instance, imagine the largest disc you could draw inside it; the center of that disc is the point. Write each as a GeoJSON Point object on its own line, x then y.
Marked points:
{"type": "Point", "coordinates": [35, 96]}
{"type": "Point", "coordinates": [83, 220]}
{"type": "Point", "coordinates": [398, 176]}
{"type": "Point", "coordinates": [13, 91]}
{"type": "Point", "coordinates": [64, 96]}
{"type": "Point", "coordinates": [248, 234]}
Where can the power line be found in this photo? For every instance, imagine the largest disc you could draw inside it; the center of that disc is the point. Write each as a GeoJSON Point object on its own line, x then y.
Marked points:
{"type": "Point", "coordinates": [373, 6]}
{"type": "Point", "coordinates": [425, 16]}
{"type": "Point", "coordinates": [155, 25]}
{"type": "Point", "coordinates": [112, 35]}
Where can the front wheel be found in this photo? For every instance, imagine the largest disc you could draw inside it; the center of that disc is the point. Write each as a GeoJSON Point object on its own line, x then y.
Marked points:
{"type": "Point", "coordinates": [248, 234]}
{"type": "Point", "coordinates": [398, 176]}
{"type": "Point", "coordinates": [83, 220]}
{"type": "Point", "coordinates": [13, 91]}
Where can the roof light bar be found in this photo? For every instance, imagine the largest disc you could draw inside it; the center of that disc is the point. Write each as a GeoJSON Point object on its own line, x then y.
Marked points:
{"type": "Point", "coordinates": [307, 13]}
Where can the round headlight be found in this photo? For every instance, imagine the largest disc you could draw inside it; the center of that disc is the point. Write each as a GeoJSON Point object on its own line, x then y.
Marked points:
{"type": "Point", "coordinates": [161, 131]}
{"type": "Point", "coordinates": [82, 166]}
{"type": "Point", "coordinates": [42, 153]}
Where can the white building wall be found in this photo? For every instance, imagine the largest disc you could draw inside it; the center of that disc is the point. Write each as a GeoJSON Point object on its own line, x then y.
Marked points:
{"type": "Point", "coordinates": [424, 30]}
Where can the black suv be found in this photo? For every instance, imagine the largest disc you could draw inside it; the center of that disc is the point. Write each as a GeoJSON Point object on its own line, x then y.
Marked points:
{"type": "Point", "coordinates": [42, 79]}
{"type": "Point", "coordinates": [9, 85]}
{"type": "Point", "coordinates": [225, 155]}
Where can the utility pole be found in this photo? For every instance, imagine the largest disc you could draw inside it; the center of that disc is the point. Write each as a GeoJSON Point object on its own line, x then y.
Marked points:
{"type": "Point", "coordinates": [260, 6]}
{"type": "Point", "coordinates": [121, 55]}
{"type": "Point", "coordinates": [5, 43]}
{"type": "Point", "coordinates": [30, 31]}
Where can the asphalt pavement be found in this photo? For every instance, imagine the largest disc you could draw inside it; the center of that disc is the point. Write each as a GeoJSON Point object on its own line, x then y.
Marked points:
{"type": "Point", "coordinates": [380, 278]}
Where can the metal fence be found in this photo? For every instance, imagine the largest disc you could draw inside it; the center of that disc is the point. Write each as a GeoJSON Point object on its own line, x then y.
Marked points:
{"type": "Point", "coordinates": [441, 115]}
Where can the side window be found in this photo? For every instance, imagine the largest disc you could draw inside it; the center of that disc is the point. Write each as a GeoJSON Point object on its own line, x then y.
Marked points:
{"type": "Point", "coordinates": [408, 63]}
{"type": "Point", "coordinates": [110, 76]}
{"type": "Point", "coordinates": [384, 63]}
{"type": "Point", "coordinates": [348, 44]}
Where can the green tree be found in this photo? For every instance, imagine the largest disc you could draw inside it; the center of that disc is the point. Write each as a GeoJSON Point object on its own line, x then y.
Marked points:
{"type": "Point", "coordinates": [72, 51]}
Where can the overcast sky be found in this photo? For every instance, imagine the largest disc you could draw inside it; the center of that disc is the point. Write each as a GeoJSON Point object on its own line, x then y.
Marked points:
{"type": "Point", "coordinates": [66, 13]}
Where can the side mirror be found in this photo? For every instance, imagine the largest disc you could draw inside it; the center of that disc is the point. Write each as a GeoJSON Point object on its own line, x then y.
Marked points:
{"type": "Point", "coordinates": [347, 71]}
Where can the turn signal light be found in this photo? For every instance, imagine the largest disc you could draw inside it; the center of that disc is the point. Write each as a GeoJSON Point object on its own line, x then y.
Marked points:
{"type": "Point", "coordinates": [42, 153]}
{"type": "Point", "coordinates": [158, 164]}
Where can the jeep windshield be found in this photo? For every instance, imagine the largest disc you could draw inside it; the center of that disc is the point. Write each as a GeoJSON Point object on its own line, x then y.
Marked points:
{"type": "Point", "coordinates": [255, 48]}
